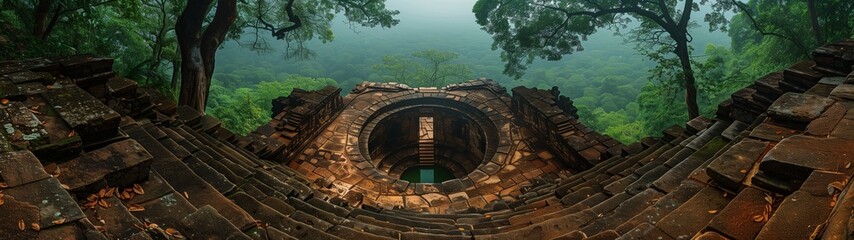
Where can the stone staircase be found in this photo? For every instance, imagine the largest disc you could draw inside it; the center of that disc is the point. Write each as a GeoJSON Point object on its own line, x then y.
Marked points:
{"type": "Point", "coordinates": [89, 155]}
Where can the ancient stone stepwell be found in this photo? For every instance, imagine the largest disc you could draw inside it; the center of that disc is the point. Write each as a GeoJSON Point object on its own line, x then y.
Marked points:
{"type": "Point", "coordinates": [86, 154]}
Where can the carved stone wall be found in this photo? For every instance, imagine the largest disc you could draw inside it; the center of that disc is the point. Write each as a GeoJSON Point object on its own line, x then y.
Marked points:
{"type": "Point", "coordinates": [554, 118]}
{"type": "Point", "coordinates": [297, 118]}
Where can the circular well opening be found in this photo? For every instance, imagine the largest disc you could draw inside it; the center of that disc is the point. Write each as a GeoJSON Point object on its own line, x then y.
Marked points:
{"type": "Point", "coordinates": [430, 142]}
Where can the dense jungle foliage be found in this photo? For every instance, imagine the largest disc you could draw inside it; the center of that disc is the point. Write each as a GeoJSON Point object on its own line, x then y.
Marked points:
{"type": "Point", "coordinates": [621, 73]}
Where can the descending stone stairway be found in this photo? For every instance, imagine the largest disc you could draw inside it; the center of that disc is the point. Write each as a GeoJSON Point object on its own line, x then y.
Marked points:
{"type": "Point", "coordinates": [88, 155]}
{"type": "Point", "coordinates": [426, 142]}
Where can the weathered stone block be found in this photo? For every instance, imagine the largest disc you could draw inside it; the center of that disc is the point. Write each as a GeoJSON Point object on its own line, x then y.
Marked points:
{"type": "Point", "coordinates": [86, 115]}
{"type": "Point", "coordinates": [730, 168]}
{"type": "Point", "coordinates": [797, 156]}
{"type": "Point", "coordinates": [798, 108]}
{"type": "Point", "coordinates": [54, 203]}
{"type": "Point", "coordinates": [119, 164]}
{"type": "Point", "coordinates": [21, 167]}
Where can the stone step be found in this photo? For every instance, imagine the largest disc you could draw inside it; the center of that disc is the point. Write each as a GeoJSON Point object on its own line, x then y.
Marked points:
{"type": "Point", "coordinates": [183, 180]}
{"type": "Point", "coordinates": [116, 220]}
{"type": "Point", "coordinates": [661, 208]}
{"type": "Point", "coordinates": [207, 223]}
{"type": "Point", "coordinates": [744, 216]}
{"type": "Point", "coordinates": [89, 118]}
{"type": "Point", "coordinates": [693, 215]}
{"type": "Point", "coordinates": [789, 221]}
{"type": "Point", "coordinates": [118, 165]}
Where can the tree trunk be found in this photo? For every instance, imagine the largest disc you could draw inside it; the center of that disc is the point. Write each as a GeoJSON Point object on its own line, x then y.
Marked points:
{"type": "Point", "coordinates": [176, 72]}
{"type": "Point", "coordinates": [688, 72]}
{"type": "Point", "coordinates": [40, 17]}
{"type": "Point", "coordinates": [816, 29]}
{"type": "Point", "coordinates": [198, 49]}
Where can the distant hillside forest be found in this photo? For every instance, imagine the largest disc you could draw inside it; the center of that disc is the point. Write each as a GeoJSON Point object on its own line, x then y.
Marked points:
{"type": "Point", "coordinates": [621, 71]}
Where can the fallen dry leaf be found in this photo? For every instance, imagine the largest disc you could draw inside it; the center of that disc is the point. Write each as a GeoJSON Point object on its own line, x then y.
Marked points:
{"type": "Point", "coordinates": [834, 187]}
{"type": "Point", "coordinates": [1, 200]}
{"type": "Point", "coordinates": [3, 185]}
{"type": "Point", "coordinates": [21, 225]}
{"type": "Point", "coordinates": [100, 228]}
{"type": "Point", "coordinates": [171, 231]}
{"type": "Point", "coordinates": [111, 191]}
{"type": "Point", "coordinates": [103, 203]}
{"type": "Point", "coordinates": [72, 133]}
{"type": "Point", "coordinates": [90, 205]}
{"type": "Point", "coordinates": [92, 197]}
{"type": "Point", "coordinates": [138, 189]}
{"type": "Point", "coordinates": [102, 193]}
{"type": "Point", "coordinates": [64, 186]}
{"type": "Point", "coordinates": [848, 165]}
{"type": "Point", "coordinates": [35, 226]}
{"type": "Point", "coordinates": [833, 200]}
{"type": "Point", "coordinates": [713, 211]}
{"type": "Point", "coordinates": [124, 195]}
{"type": "Point", "coordinates": [59, 221]}
{"type": "Point", "coordinates": [4, 101]}
{"type": "Point", "coordinates": [135, 208]}
{"type": "Point", "coordinates": [743, 171]}
{"type": "Point", "coordinates": [758, 218]}
{"type": "Point", "coordinates": [769, 199]}
{"type": "Point", "coordinates": [187, 196]}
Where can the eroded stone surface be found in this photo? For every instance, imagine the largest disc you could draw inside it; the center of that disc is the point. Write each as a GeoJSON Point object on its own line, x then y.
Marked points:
{"type": "Point", "coordinates": [119, 164]}
{"type": "Point", "coordinates": [797, 156]}
{"type": "Point", "coordinates": [798, 108]}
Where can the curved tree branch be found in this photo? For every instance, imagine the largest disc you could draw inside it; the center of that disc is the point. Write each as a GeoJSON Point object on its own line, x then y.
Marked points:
{"type": "Point", "coordinates": [762, 31]}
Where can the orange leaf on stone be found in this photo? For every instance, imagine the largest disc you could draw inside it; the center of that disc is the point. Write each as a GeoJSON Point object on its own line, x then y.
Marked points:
{"type": "Point", "coordinates": [4, 101]}
{"type": "Point", "coordinates": [35, 226]}
{"type": "Point", "coordinates": [3, 185]}
{"type": "Point", "coordinates": [59, 221]}
{"type": "Point", "coordinates": [21, 225]}
{"type": "Point", "coordinates": [103, 203]}
{"type": "Point", "coordinates": [138, 189]}
{"type": "Point", "coordinates": [135, 208]}
{"type": "Point", "coordinates": [124, 195]}
{"type": "Point", "coordinates": [758, 218]}
{"type": "Point", "coordinates": [102, 193]}
{"type": "Point", "coordinates": [713, 211]}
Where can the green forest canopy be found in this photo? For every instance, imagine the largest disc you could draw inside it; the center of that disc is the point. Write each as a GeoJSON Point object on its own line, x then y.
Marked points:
{"type": "Point", "coordinates": [617, 89]}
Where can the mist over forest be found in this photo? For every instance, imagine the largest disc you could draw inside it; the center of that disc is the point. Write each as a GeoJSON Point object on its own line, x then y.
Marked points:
{"type": "Point", "coordinates": [604, 80]}
{"type": "Point", "coordinates": [630, 73]}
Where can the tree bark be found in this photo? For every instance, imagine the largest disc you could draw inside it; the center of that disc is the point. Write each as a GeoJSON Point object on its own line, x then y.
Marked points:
{"type": "Point", "coordinates": [40, 17]}
{"type": "Point", "coordinates": [198, 48]}
{"type": "Point", "coordinates": [176, 73]}
{"type": "Point", "coordinates": [688, 72]}
{"type": "Point", "coordinates": [816, 28]}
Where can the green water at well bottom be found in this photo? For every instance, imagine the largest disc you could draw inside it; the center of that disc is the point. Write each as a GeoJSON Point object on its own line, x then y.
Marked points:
{"type": "Point", "coordinates": [427, 174]}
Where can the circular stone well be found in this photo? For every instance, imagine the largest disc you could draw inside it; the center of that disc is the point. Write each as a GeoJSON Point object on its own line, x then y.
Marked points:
{"type": "Point", "coordinates": [428, 140]}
